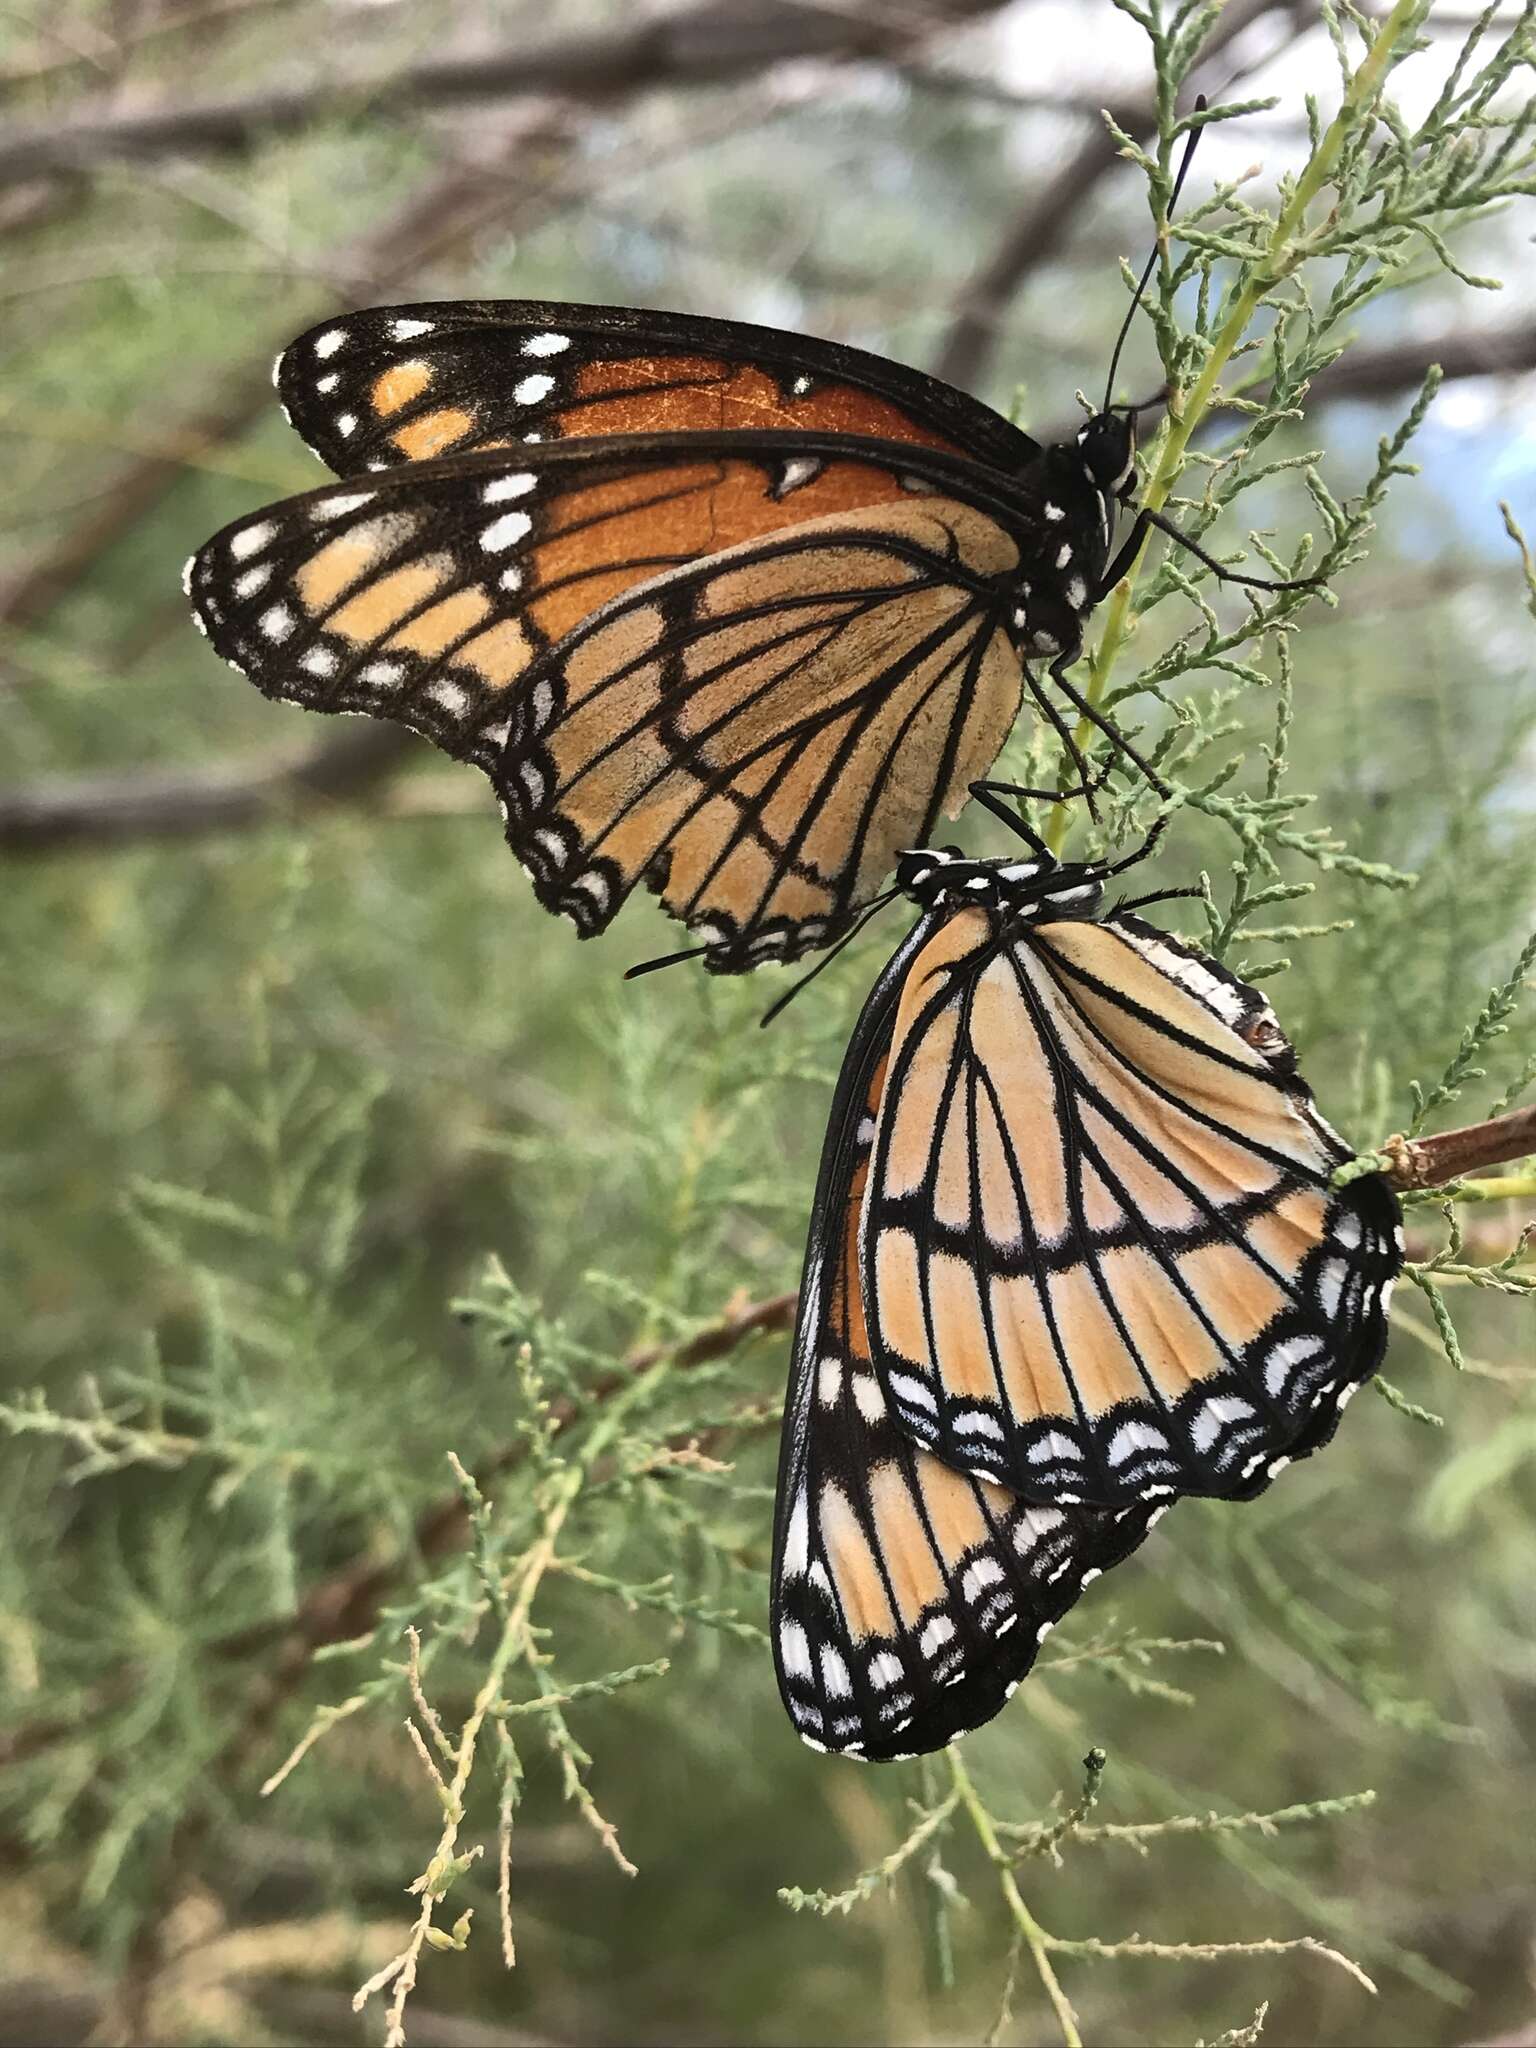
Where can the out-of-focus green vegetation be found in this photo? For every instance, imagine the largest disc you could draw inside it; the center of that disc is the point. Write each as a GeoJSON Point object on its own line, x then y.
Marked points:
{"type": "Point", "coordinates": [329, 1154]}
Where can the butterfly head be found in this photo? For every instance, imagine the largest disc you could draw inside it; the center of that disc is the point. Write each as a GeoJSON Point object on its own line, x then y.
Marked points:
{"type": "Point", "coordinates": [1107, 447]}
{"type": "Point", "coordinates": [1039, 887]}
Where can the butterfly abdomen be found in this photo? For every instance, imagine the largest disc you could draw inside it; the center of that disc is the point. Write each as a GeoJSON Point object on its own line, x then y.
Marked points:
{"type": "Point", "coordinates": [1064, 557]}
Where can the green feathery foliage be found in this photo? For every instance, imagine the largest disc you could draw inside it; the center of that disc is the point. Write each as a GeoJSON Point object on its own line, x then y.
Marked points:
{"type": "Point", "coordinates": [429, 1582]}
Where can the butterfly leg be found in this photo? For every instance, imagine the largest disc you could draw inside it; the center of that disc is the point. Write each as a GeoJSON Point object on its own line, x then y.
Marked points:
{"type": "Point", "coordinates": [1087, 782]}
{"type": "Point", "coordinates": [1121, 565]}
{"type": "Point", "coordinates": [1219, 569]}
{"type": "Point", "coordinates": [990, 795]}
{"type": "Point", "coordinates": [666, 960]}
{"type": "Point", "coordinates": [1154, 896]}
{"type": "Point", "coordinates": [1107, 726]}
{"type": "Point", "coordinates": [1138, 533]}
{"type": "Point", "coordinates": [783, 1002]}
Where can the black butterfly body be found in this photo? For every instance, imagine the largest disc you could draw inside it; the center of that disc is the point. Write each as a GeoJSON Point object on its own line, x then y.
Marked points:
{"type": "Point", "coordinates": [728, 611]}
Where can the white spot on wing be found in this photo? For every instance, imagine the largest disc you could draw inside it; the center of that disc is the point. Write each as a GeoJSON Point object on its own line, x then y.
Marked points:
{"type": "Point", "coordinates": [546, 344]}
{"type": "Point", "coordinates": [335, 508]}
{"type": "Point", "coordinates": [910, 1391]}
{"type": "Point", "coordinates": [1330, 1285]}
{"type": "Point", "coordinates": [529, 390]}
{"type": "Point", "coordinates": [505, 532]}
{"type": "Point", "coordinates": [518, 485]}
{"type": "Point", "coordinates": [834, 1674]}
{"type": "Point", "coordinates": [1131, 1438]}
{"type": "Point", "coordinates": [407, 330]}
{"type": "Point", "coordinates": [1285, 1358]}
{"type": "Point", "coordinates": [797, 471]}
{"type": "Point", "coordinates": [327, 344]}
{"type": "Point", "coordinates": [797, 1544]}
{"type": "Point", "coordinates": [1219, 1414]}
{"type": "Point", "coordinates": [986, 1571]}
{"type": "Point", "coordinates": [866, 1394]}
{"type": "Point", "coordinates": [936, 1635]}
{"type": "Point", "coordinates": [794, 1650]}
{"type": "Point", "coordinates": [252, 539]}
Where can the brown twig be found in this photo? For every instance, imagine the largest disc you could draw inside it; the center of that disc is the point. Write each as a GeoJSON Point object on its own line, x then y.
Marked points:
{"type": "Point", "coordinates": [1038, 232]}
{"type": "Point", "coordinates": [197, 20]}
{"type": "Point", "coordinates": [448, 209]}
{"type": "Point", "coordinates": [346, 1605]}
{"type": "Point", "coordinates": [57, 816]}
{"type": "Point", "coordinates": [707, 45]}
{"type": "Point", "coordinates": [1448, 1155]}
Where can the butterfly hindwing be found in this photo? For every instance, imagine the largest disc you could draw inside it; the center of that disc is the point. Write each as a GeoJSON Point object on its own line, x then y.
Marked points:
{"type": "Point", "coordinates": [395, 384]}
{"type": "Point", "coordinates": [1102, 1254]}
{"type": "Point", "coordinates": [756, 737]}
{"type": "Point", "coordinates": [908, 1599]}
{"type": "Point", "coordinates": [676, 665]}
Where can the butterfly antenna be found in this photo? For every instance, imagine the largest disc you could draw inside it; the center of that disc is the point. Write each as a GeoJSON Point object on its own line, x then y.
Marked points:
{"type": "Point", "coordinates": [1146, 275]}
{"type": "Point", "coordinates": [784, 1001]}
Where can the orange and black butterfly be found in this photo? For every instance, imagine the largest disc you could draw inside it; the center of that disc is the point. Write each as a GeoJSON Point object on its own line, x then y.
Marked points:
{"type": "Point", "coordinates": [728, 611]}
{"type": "Point", "coordinates": [908, 1599]}
{"type": "Point", "coordinates": [1074, 1251]}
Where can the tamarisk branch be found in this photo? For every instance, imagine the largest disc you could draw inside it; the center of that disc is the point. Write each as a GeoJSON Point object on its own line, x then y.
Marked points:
{"type": "Point", "coordinates": [1411, 1163]}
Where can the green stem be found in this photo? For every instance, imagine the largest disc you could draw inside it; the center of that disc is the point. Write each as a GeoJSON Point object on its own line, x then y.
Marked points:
{"type": "Point", "coordinates": [1038, 1942]}
{"type": "Point", "coordinates": [1187, 410]}
{"type": "Point", "coordinates": [1501, 1187]}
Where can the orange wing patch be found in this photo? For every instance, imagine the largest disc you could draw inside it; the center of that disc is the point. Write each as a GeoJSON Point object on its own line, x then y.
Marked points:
{"type": "Point", "coordinates": [662, 394]}
{"type": "Point", "coordinates": [398, 385]}
{"type": "Point", "coordinates": [434, 433]}
{"type": "Point", "coordinates": [743, 734]}
{"type": "Point", "coordinates": [1103, 1257]}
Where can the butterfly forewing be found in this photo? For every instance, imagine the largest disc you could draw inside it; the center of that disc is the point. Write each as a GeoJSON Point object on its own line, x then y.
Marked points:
{"type": "Point", "coordinates": [1101, 1251]}
{"type": "Point", "coordinates": [397, 384]}
{"type": "Point", "coordinates": [908, 1599]}
{"type": "Point", "coordinates": [676, 666]}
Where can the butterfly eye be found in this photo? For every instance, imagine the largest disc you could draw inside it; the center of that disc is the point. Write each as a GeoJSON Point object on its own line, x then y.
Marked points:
{"type": "Point", "coordinates": [1108, 445]}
